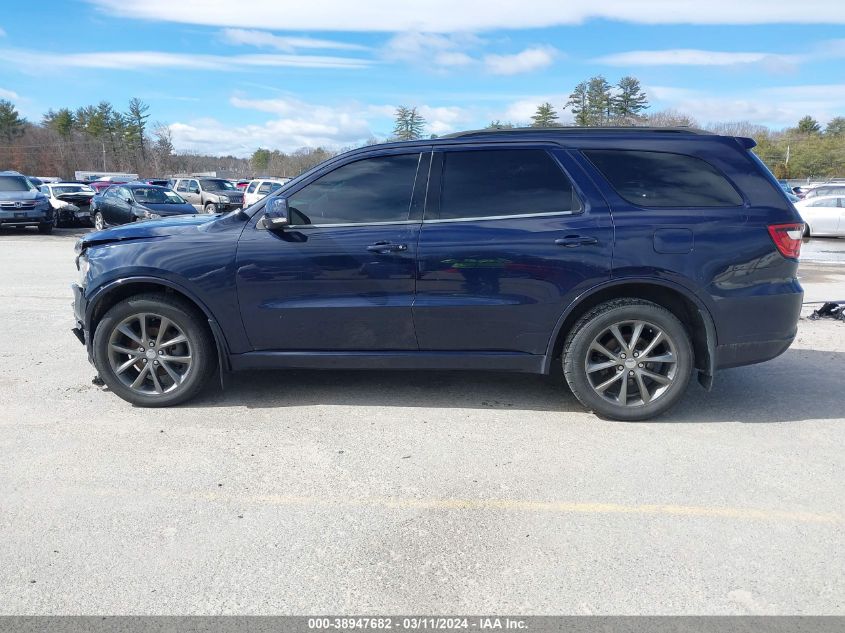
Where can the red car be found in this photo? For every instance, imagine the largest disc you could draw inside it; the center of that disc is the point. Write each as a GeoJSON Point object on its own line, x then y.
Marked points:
{"type": "Point", "coordinates": [101, 185]}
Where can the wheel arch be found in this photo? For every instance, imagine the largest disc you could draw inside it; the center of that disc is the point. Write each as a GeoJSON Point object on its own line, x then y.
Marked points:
{"type": "Point", "coordinates": [111, 294]}
{"type": "Point", "coordinates": [688, 308]}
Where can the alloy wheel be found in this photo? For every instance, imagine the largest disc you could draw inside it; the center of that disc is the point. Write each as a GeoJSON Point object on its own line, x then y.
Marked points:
{"type": "Point", "coordinates": [631, 363]}
{"type": "Point", "coordinates": [150, 354]}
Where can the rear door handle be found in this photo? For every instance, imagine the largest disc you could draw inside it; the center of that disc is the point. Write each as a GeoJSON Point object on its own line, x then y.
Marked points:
{"type": "Point", "coordinates": [386, 247]}
{"type": "Point", "coordinates": [571, 241]}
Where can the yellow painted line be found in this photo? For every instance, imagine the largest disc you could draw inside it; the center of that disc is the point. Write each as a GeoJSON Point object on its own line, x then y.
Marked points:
{"type": "Point", "coordinates": [517, 505]}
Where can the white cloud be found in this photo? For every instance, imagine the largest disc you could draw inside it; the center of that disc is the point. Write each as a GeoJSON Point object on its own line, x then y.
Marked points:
{"type": "Point", "coordinates": [289, 44]}
{"type": "Point", "coordinates": [139, 60]}
{"type": "Point", "coordinates": [431, 50]}
{"type": "Point", "coordinates": [692, 57]}
{"type": "Point", "coordinates": [11, 95]}
{"type": "Point", "coordinates": [452, 16]}
{"type": "Point", "coordinates": [779, 107]}
{"type": "Point", "coordinates": [528, 60]}
{"type": "Point", "coordinates": [297, 123]}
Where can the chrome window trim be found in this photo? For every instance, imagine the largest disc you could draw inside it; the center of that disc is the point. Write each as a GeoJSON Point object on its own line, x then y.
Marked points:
{"type": "Point", "coordinates": [506, 217]}
{"type": "Point", "coordinates": [343, 225]}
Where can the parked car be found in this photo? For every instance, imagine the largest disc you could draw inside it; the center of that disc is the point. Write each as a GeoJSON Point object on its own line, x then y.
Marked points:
{"type": "Point", "coordinates": [121, 204]}
{"type": "Point", "coordinates": [823, 216]}
{"type": "Point", "coordinates": [159, 182]}
{"type": "Point", "coordinates": [630, 257]}
{"type": "Point", "coordinates": [825, 190]}
{"type": "Point", "coordinates": [261, 187]}
{"type": "Point", "coordinates": [102, 185]}
{"type": "Point", "coordinates": [71, 202]}
{"type": "Point", "coordinates": [21, 204]}
{"type": "Point", "coordinates": [209, 195]}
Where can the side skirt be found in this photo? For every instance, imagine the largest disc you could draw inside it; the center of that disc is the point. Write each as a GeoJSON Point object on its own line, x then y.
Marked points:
{"type": "Point", "coordinates": [489, 361]}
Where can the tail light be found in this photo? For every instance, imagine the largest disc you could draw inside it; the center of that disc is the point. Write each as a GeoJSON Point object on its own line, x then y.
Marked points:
{"type": "Point", "coordinates": [787, 237]}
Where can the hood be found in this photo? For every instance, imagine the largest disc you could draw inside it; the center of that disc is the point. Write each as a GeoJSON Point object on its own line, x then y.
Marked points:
{"type": "Point", "coordinates": [175, 225]}
{"type": "Point", "coordinates": [169, 208]}
{"type": "Point", "coordinates": [80, 196]}
{"type": "Point", "coordinates": [22, 195]}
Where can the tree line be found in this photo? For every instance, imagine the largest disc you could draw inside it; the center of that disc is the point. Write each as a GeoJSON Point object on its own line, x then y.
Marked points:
{"type": "Point", "coordinates": [805, 150]}
{"type": "Point", "coordinates": [103, 137]}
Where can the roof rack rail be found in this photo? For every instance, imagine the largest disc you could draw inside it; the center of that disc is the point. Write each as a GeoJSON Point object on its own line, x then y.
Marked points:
{"type": "Point", "coordinates": [578, 130]}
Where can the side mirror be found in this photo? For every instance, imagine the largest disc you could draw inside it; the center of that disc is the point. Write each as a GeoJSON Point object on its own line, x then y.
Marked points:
{"type": "Point", "coordinates": [276, 214]}
{"type": "Point", "coordinates": [129, 199]}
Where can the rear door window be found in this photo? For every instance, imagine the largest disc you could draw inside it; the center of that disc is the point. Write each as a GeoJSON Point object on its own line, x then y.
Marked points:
{"type": "Point", "coordinates": [496, 183]}
{"type": "Point", "coordinates": [664, 179]}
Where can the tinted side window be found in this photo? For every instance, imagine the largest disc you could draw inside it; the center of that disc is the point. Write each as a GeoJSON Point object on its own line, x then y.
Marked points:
{"type": "Point", "coordinates": [369, 190]}
{"type": "Point", "coordinates": [484, 183]}
{"type": "Point", "coordinates": [662, 179]}
{"type": "Point", "coordinates": [252, 186]}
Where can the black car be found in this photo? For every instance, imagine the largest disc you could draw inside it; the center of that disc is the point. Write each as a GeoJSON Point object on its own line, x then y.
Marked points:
{"type": "Point", "coordinates": [121, 204]}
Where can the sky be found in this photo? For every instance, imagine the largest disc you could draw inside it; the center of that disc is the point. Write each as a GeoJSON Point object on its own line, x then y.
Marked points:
{"type": "Point", "coordinates": [231, 76]}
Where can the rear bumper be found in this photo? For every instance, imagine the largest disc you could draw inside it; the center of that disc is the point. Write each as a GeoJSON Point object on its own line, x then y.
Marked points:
{"type": "Point", "coordinates": [759, 328]}
{"type": "Point", "coordinates": [739, 354]}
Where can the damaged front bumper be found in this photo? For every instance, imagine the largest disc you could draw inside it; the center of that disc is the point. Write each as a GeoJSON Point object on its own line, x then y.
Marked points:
{"type": "Point", "coordinates": [80, 306]}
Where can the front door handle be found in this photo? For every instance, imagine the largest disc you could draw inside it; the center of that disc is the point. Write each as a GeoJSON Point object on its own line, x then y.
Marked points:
{"type": "Point", "coordinates": [386, 247]}
{"type": "Point", "coordinates": [571, 241]}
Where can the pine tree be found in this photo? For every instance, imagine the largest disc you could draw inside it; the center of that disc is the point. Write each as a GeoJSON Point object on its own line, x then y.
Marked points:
{"type": "Point", "coordinates": [410, 124]}
{"type": "Point", "coordinates": [836, 126]}
{"type": "Point", "coordinates": [136, 119]}
{"type": "Point", "coordinates": [629, 102]}
{"type": "Point", "coordinates": [598, 101]}
{"type": "Point", "coordinates": [808, 125]}
{"type": "Point", "coordinates": [545, 116]}
{"type": "Point", "coordinates": [578, 104]}
{"type": "Point", "coordinates": [11, 123]}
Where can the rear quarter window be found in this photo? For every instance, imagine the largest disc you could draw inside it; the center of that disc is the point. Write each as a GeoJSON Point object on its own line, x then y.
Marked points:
{"type": "Point", "coordinates": [664, 179]}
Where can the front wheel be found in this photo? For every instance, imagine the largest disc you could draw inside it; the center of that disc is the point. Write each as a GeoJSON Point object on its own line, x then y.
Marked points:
{"type": "Point", "coordinates": [45, 228]}
{"type": "Point", "coordinates": [211, 208]}
{"type": "Point", "coordinates": [99, 221]}
{"type": "Point", "coordinates": [628, 359]}
{"type": "Point", "coordinates": [154, 351]}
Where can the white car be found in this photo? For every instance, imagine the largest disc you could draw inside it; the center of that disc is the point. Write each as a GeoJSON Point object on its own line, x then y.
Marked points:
{"type": "Point", "coordinates": [71, 202]}
{"type": "Point", "coordinates": [823, 216]}
{"type": "Point", "coordinates": [260, 187]}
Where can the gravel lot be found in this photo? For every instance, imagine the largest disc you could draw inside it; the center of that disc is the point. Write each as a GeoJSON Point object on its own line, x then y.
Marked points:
{"type": "Point", "coordinates": [405, 492]}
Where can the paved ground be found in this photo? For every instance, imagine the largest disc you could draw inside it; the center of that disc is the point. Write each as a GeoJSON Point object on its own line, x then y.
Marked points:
{"type": "Point", "coordinates": [402, 492]}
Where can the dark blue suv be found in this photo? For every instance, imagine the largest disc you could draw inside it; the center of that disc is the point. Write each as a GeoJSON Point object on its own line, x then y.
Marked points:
{"type": "Point", "coordinates": [631, 256]}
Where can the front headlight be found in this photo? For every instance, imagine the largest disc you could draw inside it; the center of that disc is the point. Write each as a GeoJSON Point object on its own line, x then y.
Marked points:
{"type": "Point", "coordinates": [82, 266]}
{"type": "Point", "coordinates": [224, 199]}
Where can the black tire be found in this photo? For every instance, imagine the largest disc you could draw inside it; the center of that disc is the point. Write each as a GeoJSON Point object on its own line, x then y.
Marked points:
{"type": "Point", "coordinates": [199, 345]}
{"type": "Point", "coordinates": [210, 208]}
{"type": "Point", "coordinates": [45, 228]}
{"type": "Point", "coordinates": [578, 351]}
{"type": "Point", "coordinates": [807, 231]}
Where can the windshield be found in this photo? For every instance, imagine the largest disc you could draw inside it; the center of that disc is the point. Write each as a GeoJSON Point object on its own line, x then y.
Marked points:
{"type": "Point", "coordinates": [157, 195]}
{"type": "Point", "coordinates": [16, 183]}
{"type": "Point", "coordinates": [58, 191]}
{"type": "Point", "coordinates": [217, 184]}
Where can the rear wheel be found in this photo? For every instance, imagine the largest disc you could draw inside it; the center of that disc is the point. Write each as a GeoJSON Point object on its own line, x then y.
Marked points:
{"type": "Point", "coordinates": [628, 359]}
{"type": "Point", "coordinates": [211, 208]}
{"type": "Point", "coordinates": [807, 230]}
{"type": "Point", "coordinates": [99, 221]}
{"type": "Point", "coordinates": [154, 351]}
